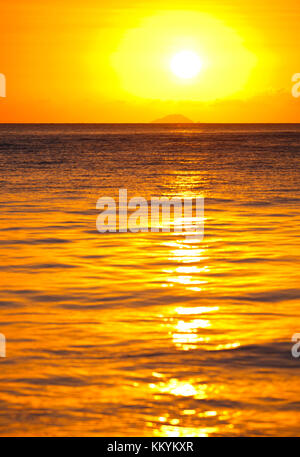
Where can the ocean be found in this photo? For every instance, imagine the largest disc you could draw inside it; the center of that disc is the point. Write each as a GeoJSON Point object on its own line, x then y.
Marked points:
{"type": "Point", "coordinates": [149, 334]}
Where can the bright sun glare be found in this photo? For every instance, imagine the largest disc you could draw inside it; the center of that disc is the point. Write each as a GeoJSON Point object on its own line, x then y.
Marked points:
{"type": "Point", "coordinates": [167, 64]}
{"type": "Point", "coordinates": [186, 64]}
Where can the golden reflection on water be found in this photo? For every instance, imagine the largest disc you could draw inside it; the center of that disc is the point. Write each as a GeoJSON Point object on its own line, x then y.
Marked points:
{"type": "Point", "coordinates": [172, 426]}
{"type": "Point", "coordinates": [144, 320]}
{"type": "Point", "coordinates": [187, 321]}
{"type": "Point", "coordinates": [180, 426]}
{"type": "Point", "coordinates": [185, 326]}
{"type": "Point", "coordinates": [149, 333]}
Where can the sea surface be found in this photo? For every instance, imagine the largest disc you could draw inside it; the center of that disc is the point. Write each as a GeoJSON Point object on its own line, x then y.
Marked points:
{"type": "Point", "coordinates": [149, 334]}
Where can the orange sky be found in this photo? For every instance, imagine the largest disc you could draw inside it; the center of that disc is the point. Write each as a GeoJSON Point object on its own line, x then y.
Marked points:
{"type": "Point", "coordinates": [96, 61]}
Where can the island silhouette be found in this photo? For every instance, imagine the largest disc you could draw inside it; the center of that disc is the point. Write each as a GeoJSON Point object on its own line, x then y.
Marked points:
{"type": "Point", "coordinates": [173, 119]}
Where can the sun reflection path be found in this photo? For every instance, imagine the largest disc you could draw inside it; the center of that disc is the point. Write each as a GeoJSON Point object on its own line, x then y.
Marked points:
{"type": "Point", "coordinates": [185, 334]}
{"type": "Point", "coordinates": [182, 421]}
{"type": "Point", "coordinates": [191, 327]}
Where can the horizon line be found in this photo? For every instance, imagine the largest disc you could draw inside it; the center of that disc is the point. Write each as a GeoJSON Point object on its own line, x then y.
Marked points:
{"type": "Point", "coordinates": [148, 123]}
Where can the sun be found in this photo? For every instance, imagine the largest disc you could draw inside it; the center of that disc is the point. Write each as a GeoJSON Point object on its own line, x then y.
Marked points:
{"type": "Point", "coordinates": [192, 56]}
{"type": "Point", "coordinates": [186, 64]}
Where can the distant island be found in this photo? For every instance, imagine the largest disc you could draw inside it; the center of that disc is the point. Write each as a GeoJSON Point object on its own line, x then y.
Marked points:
{"type": "Point", "coordinates": [173, 119]}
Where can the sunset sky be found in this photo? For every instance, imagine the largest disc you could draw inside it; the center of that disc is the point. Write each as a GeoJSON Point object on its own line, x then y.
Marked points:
{"type": "Point", "coordinates": [121, 61]}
